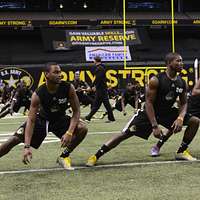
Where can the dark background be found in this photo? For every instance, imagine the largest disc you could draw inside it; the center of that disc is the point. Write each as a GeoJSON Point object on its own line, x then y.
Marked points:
{"type": "Point", "coordinates": [30, 44]}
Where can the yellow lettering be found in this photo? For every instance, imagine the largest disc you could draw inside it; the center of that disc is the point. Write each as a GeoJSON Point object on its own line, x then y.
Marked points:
{"type": "Point", "coordinates": [17, 23]}
{"type": "Point", "coordinates": [73, 38]}
{"type": "Point", "coordinates": [60, 22]}
{"type": "Point", "coordinates": [106, 22]}
{"type": "Point", "coordinates": [93, 38]}
{"type": "Point", "coordinates": [71, 75]}
{"type": "Point", "coordinates": [2, 23]}
{"type": "Point", "coordinates": [42, 79]}
{"type": "Point", "coordinates": [197, 21]}
{"type": "Point", "coordinates": [110, 74]}
{"type": "Point", "coordinates": [64, 76]}
{"type": "Point", "coordinates": [138, 75]}
{"type": "Point", "coordinates": [124, 73]}
{"type": "Point", "coordinates": [161, 22]}
{"type": "Point", "coordinates": [82, 76]}
{"type": "Point", "coordinates": [121, 22]}
{"type": "Point", "coordinates": [100, 38]}
{"type": "Point", "coordinates": [91, 76]}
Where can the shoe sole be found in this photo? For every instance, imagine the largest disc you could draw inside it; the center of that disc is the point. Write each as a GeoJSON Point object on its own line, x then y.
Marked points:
{"type": "Point", "coordinates": [88, 165]}
{"type": "Point", "coordinates": [66, 168]}
{"type": "Point", "coordinates": [155, 155]}
{"type": "Point", "coordinates": [186, 159]}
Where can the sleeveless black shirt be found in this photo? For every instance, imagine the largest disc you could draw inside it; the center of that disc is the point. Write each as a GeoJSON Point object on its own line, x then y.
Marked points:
{"type": "Point", "coordinates": [53, 106]}
{"type": "Point", "coordinates": [194, 104]}
{"type": "Point", "coordinates": [168, 91]}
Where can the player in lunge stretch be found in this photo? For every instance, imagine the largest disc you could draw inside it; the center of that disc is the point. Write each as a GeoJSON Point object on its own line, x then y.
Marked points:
{"type": "Point", "coordinates": [161, 94]}
{"type": "Point", "coordinates": [193, 109]}
{"type": "Point", "coordinates": [47, 114]}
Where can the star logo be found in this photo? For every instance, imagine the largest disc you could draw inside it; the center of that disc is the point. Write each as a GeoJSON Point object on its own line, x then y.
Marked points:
{"type": "Point", "coordinates": [13, 75]}
{"type": "Point", "coordinates": [11, 82]}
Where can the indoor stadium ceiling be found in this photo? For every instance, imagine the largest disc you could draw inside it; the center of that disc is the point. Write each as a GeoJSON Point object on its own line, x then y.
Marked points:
{"type": "Point", "coordinates": [98, 5]}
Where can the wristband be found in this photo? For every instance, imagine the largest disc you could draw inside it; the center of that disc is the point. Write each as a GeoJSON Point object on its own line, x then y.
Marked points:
{"type": "Point", "coordinates": [69, 133]}
{"type": "Point", "coordinates": [27, 146]}
{"type": "Point", "coordinates": [154, 126]}
{"type": "Point", "coordinates": [180, 118]}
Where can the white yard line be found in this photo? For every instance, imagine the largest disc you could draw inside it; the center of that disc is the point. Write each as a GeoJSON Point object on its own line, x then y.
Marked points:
{"type": "Point", "coordinates": [96, 167]}
{"type": "Point", "coordinates": [9, 123]}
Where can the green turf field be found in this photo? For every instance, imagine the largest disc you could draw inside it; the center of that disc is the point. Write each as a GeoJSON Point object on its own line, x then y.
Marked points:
{"type": "Point", "coordinates": [126, 173]}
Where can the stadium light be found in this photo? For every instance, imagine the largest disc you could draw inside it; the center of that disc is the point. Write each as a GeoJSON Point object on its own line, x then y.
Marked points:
{"type": "Point", "coordinates": [85, 5]}
{"type": "Point", "coordinates": [196, 65]}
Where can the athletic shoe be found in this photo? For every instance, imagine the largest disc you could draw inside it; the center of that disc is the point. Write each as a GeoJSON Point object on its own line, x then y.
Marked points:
{"type": "Point", "coordinates": [91, 161]}
{"type": "Point", "coordinates": [65, 163]}
{"type": "Point", "coordinates": [185, 156]}
{"type": "Point", "coordinates": [155, 151]}
{"type": "Point", "coordinates": [86, 119]}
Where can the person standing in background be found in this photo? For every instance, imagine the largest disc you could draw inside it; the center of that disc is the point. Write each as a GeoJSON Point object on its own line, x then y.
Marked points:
{"type": "Point", "coordinates": [101, 93]}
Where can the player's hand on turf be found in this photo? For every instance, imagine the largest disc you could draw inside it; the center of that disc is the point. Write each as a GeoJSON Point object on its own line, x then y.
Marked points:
{"type": "Point", "coordinates": [177, 125]}
{"type": "Point", "coordinates": [157, 132]}
{"type": "Point", "coordinates": [66, 139]}
{"type": "Point", "coordinates": [27, 156]}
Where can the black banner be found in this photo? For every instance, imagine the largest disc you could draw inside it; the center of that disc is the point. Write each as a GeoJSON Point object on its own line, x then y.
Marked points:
{"type": "Point", "coordinates": [109, 37]}
{"type": "Point", "coordinates": [116, 74]}
{"type": "Point", "coordinates": [100, 23]}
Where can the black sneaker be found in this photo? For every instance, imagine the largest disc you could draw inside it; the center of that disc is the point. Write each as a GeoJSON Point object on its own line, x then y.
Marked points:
{"type": "Point", "coordinates": [86, 119]}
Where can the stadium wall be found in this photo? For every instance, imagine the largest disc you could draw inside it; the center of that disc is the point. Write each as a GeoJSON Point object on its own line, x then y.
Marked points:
{"type": "Point", "coordinates": [117, 75]}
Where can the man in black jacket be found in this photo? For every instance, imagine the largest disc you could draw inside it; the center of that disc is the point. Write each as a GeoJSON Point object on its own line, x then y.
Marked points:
{"type": "Point", "coordinates": [101, 95]}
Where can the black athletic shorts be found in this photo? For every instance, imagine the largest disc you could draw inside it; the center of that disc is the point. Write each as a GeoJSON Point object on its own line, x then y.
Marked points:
{"type": "Point", "coordinates": [139, 125]}
{"type": "Point", "coordinates": [42, 127]}
{"type": "Point", "coordinates": [195, 112]}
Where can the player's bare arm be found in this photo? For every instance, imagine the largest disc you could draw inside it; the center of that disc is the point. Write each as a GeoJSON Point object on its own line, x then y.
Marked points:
{"type": "Point", "coordinates": [151, 93]}
{"type": "Point", "coordinates": [34, 107]}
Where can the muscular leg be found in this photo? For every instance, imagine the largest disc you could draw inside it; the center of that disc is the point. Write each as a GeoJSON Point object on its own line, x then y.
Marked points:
{"type": "Point", "coordinates": [189, 133]}
{"type": "Point", "coordinates": [155, 150]}
{"type": "Point", "coordinates": [164, 138]}
{"type": "Point", "coordinates": [8, 145]}
{"type": "Point", "coordinates": [78, 136]}
{"type": "Point", "coordinates": [106, 147]}
{"type": "Point", "coordinates": [112, 143]}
